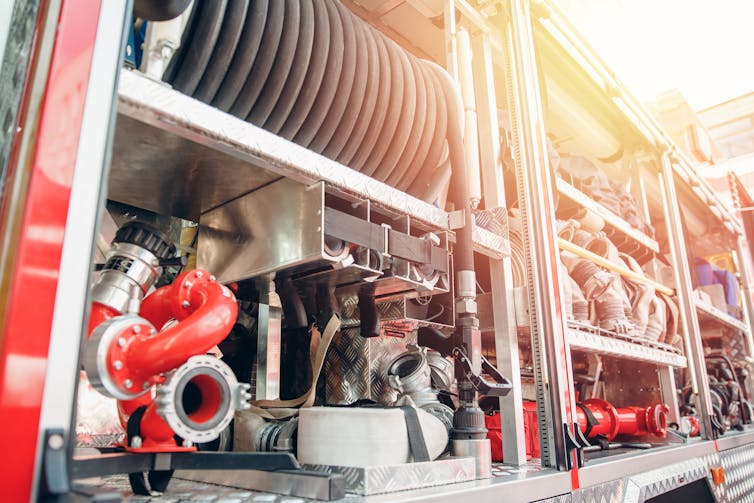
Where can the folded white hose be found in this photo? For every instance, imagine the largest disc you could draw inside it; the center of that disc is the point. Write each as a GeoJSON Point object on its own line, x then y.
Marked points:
{"type": "Point", "coordinates": [361, 437]}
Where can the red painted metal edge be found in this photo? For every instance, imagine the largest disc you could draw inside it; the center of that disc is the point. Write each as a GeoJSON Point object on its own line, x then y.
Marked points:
{"type": "Point", "coordinates": [33, 280]}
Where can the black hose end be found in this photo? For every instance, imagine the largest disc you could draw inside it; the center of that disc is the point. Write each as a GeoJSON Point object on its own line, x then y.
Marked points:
{"type": "Point", "coordinates": [160, 10]}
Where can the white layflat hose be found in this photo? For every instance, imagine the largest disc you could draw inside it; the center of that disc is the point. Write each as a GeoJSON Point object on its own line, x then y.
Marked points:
{"type": "Point", "coordinates": [361, 437]}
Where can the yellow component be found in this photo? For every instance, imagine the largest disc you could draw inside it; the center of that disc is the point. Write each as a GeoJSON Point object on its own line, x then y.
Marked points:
{"type": "Point", "coordinates": [722, 261]}
{"type": "Point", "coordinates": [603, 262]}
{"type": "Point", "coordinates": [188, 241]}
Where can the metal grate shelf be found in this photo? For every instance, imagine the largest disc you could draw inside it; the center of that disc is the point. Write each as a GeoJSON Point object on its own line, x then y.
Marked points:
{"type": "Point", "coordinates": [589, 338]}
{"type": "Point", "coordinates": [567, 190]}
{"type": "Point", "coordinates": [163, 136]}
{"type": "Point", "coordinates": [708, 312]}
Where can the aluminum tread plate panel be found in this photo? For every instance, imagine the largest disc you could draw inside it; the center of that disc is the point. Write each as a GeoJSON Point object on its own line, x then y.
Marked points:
{"type": "Point", "coordinates": [356, 367]}
{"type": "Point", "coordinates": [164, 111]}
{"type": "Point", "coordinates": [385, 479]}
{"type": "Point", "coordinates": [580, 339]}
{"type": "Point", "coordinates": [738, 464]}
{"type": "Point", "coordinates": [610, 492]}
{"type": "Point", "coordinates": [521, 487]}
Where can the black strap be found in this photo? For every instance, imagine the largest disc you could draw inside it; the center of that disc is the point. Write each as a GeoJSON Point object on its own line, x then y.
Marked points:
{"type": "Point", "coordinates": [133, 426]}
{"type": "Point", "coordinates": [591, 421]}
{"type": "Point", "coordinates": [415, 434]}
{"type": "Point", "coordinates": [158, 479]}
{"type": "Point", "coordinates": [602, 441]}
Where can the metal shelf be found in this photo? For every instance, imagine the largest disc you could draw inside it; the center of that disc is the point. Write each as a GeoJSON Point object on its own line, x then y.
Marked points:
{"type": "Point", "coordinates": [567, 190]}
{"type": "Point", "coordinates": [708, 312]}
{"type": "Point", "coordinates": [586, 337]}
{"type": "Point", "coordinates": [163, 136]}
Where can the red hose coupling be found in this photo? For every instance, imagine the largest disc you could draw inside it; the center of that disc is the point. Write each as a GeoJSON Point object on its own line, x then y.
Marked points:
{"type": "Point", "coordinates": [608, 421]}
{"type": "Point", "coordinates": [640, 421]}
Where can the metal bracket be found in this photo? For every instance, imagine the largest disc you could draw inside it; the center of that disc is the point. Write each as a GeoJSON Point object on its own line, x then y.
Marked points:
{"type": "Point", "coordinates": [575, 442]}
{"type": "Point", "coordinates": [55, 463]}
{"type": "Point", "coordinates": [499, 387]}
{"type": "Point", "coordinates": [456, 219]}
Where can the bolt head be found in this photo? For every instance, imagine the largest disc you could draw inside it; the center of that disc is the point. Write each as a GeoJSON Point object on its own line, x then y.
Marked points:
{"type": "Point", "coordinates": [186, 284]}
{"type": "Point", "coordinates": [117, 364]}
{"type": "Point", "coordinates": [152, 331]}
{"type": "Point", "coordinates": [212, 277]}
{"type": "Point", "coordinates": [188, 443]}
{"type": "Point", "coordinates": [55, 441]}
{"type": "Point", "coordinates": [198, 274]}
{"type": "Point", "coordinates": [186, 304]}
{"type": "Point", "coordinates": [136, 442]}
{"type": "Point", "coordinates": [128, 383]}
{"type": "Point", "coordinates": [136, 329]}
{"type": "Point", "coordinates": [145, 385]}
{"type": "Point", "coordinates": [121, 341]}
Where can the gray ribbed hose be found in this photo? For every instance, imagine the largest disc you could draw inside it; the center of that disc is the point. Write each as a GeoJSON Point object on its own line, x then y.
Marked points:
{"type": "Point", "coordinates": [314, 73]}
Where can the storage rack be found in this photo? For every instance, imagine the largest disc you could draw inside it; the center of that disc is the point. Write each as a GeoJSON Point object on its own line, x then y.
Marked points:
{"type": "Point", "coordinates": [547, 19]}
{"type": "Point", "coordinates": [149, 113]}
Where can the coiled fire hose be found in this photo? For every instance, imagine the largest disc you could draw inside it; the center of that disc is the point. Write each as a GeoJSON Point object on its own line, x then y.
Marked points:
{"type": "Point", "coordinates": [314, 73]}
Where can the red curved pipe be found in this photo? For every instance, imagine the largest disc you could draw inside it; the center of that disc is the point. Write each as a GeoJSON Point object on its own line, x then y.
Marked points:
{"type": "Point", "coordinates": [100, 313]}
{"type": "Point", "coordinates": [206, 312]}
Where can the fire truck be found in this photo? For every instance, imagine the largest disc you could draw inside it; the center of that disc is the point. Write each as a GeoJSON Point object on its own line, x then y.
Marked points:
{"type": "Point", "coordinates": [413, 250]}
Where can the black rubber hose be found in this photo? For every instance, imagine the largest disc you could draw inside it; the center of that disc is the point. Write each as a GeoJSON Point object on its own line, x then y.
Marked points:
{"type": "Point", "coordinates": [159, 10]}
{"type": "Point", "coordinates": [188, 32]}
{"type": "Point", "coordinates": [313, 72]}
{"type": "Point", "coordinates": [201, 46]}
{"type": "Point", "coordinates": [326, 95]}
{"type": "Point", "coordinates": [244, 56]}
{"type": "Point", "coordinates": [292, 87]}
{"type": "Point", "coordinates": [273, 32]}
{"type": "Point", "coordinates": [281, 68]}
{"type": "Point", "coordinates": [230, 34]}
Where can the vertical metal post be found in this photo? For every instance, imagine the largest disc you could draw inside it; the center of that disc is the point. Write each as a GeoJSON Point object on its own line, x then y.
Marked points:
{"type": "Point", "coordinates": [667, 388]}
{"type": "Point", "coordinates": [451, 50]}
{"type": "Point", "coordinates": [96, 93]}
{"type": "Point", "coordinates": [551, 353]}
{"type": "Point", "coordinates": [269, 326]}
{"type": "Point", "coordinates": [743, 257]}
{"type": "Point", "coordinates": [684, 289]}
{"type": "Point", "coordinates": [503, 310]}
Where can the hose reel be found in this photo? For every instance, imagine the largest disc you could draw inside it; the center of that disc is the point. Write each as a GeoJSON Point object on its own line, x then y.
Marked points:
{"type": "Point", "coordinates": [314, 73]}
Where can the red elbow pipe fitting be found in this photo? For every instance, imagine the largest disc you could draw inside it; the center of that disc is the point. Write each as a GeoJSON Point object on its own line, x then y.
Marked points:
{"type": "Point", "coordinates": [127, 354]}
{"type": "Point", "coordinates": [205, 311]}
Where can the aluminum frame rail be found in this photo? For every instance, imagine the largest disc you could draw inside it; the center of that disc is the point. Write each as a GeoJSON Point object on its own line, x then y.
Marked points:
{"type": "Point", "coordinates": [550, 348]}
{"type": "Point", "coordinates": [690, 321]}
{"type": "Point", "coordinates": [156, 105]}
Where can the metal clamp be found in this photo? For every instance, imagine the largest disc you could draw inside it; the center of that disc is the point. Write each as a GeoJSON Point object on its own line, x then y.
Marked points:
{"type": "Point", "coordinates": [499, 386]}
